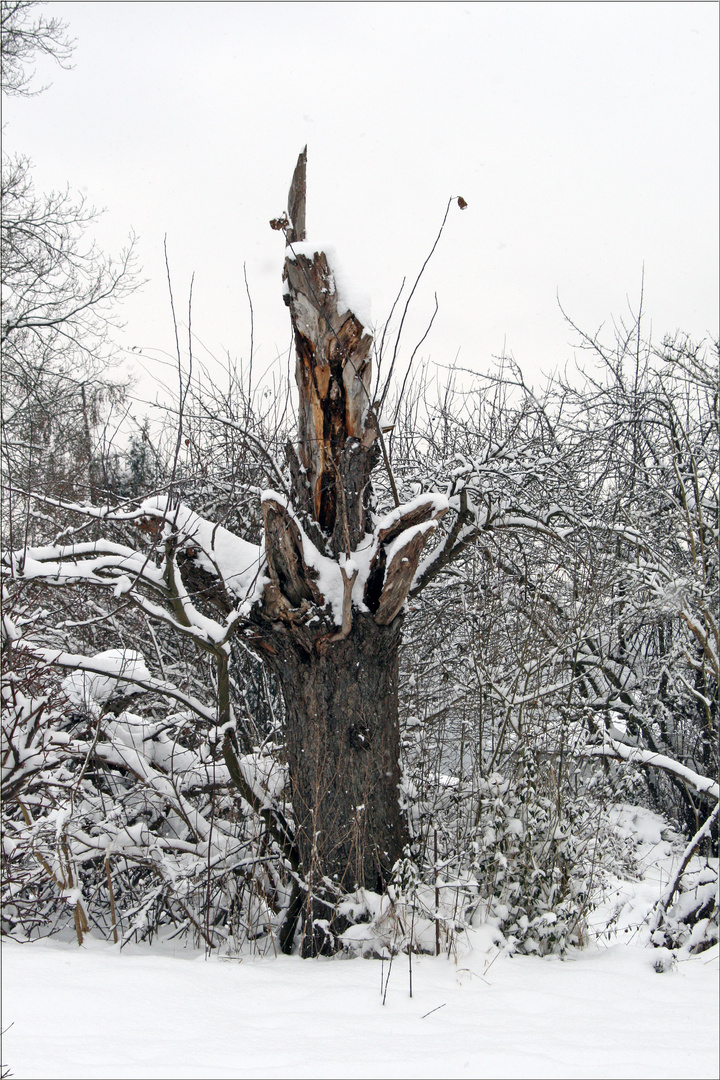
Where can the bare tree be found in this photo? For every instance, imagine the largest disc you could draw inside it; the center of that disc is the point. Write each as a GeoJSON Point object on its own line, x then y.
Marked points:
{"type": "Point", "coordinates": [59, 293]}
{"type": "Point", "coordinates": [26, 35]}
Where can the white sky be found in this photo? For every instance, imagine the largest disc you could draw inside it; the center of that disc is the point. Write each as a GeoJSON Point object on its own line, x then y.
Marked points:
{"type": "Point", "coordinates": [584, 137]}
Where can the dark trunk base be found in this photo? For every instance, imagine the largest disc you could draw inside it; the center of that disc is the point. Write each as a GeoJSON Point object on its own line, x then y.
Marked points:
{"type": "Point", "coordinates": [342, 746]}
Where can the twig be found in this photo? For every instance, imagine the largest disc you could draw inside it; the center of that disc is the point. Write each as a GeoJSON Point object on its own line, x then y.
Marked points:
{"type": "Point", "coordinates": [392, 956]}
{"type": "Point", "coordinates": [112, 897]}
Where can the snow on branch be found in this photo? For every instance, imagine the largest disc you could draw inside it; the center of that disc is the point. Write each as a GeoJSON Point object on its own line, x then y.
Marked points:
{"type": "Point", "coordinates": [191, 558]}
{"type": "Point", "coordinates": [635, 755]}
{"type": "Point", "coordinates": [132, 674]}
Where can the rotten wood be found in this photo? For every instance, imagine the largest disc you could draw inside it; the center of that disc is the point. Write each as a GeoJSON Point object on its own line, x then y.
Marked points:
{"type": "Point", "coordinates": [289, 573]}
{"type": "Point", "coordinates": [337, 429]}
{"type": "Point", "coordinates": [333, 374]}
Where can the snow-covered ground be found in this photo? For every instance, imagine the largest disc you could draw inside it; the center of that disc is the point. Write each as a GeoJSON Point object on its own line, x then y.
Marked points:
{"type": "Point", "coordinates": [149, 1012]}
{"type": "Point", "coordinates": [167, 1011]}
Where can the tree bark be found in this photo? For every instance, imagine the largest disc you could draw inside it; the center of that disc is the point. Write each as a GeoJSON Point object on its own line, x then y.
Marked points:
{"type": "Point", "coordinates": [342, 747]}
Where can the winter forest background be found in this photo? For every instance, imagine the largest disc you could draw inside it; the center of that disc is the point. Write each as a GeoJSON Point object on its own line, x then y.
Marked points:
{"type": "Point", "coordinates": [538, 558]}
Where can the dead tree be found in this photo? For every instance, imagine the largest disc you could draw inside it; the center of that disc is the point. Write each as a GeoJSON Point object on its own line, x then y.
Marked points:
{"type": "Point", "coordinates": [330, 619]}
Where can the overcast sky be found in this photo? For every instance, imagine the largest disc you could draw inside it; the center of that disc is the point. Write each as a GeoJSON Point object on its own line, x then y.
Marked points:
{"type": "Point", "coordinates": [584, 137]}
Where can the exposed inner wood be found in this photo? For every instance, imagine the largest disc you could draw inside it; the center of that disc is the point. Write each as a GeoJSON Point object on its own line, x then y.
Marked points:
{"type": "Point", "coordinates": [333, 371]}
{"type": "Point", "coordinates": [286, 564]}
{"type": "Point", "coordinates": [383, 594]}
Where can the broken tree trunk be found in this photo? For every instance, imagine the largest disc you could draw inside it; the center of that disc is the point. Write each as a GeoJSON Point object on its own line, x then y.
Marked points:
{"type": "Point", "coordinates": [337, 429]}
{"type": "Point", "coordinates": [330, 619]}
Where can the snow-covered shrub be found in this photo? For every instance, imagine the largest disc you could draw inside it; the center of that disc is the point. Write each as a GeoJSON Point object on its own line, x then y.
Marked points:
{"type": "Point", "coordinates": [412, 916]}
{"type": "Point", "coordinates": [130, 824]}
{"type": "Point", "coordinates": [533, 867]}
{"type": "Point", "coordinates": [36, 754]}
{"type": "Point", "coordinates": [542, 858]}
{"type": "Point", "coordinates": [690, 924]}
{"type": "Point", "coordinates": [686, 916]}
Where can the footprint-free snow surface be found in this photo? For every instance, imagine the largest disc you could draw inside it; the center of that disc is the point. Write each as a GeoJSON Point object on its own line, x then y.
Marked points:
{"type": "Point", "coordinates": [144, 1011]}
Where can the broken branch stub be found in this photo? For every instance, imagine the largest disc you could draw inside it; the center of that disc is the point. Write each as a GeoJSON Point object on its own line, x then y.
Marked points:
{"type": "Point", "coordinates": [387, 585]}
{"type": "Point", "coordinates": [286, 564]}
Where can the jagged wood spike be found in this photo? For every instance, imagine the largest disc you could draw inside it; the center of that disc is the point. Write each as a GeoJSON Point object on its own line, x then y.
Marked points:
{"type": "Point", "coordinates": [297, 199]}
